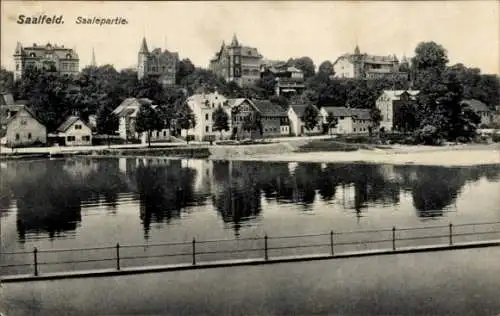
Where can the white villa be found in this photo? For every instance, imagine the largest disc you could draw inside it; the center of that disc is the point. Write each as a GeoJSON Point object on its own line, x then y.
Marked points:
{"type": "Point", "coordinates": [349, 120]}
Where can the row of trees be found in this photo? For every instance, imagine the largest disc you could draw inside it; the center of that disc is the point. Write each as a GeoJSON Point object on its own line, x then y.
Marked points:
{"type": "Point", "coordinates": [98, 90]}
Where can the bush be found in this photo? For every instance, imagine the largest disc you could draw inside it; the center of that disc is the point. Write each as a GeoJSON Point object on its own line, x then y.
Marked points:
{"type": "Point", "coordinates": [496, 138]}
{"type": "Point", "coordinates": [429, 135]}
{"type": "Point", "coordinates": [189, 138]}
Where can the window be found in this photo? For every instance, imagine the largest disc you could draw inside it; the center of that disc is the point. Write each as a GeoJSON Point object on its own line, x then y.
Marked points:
{"type": "Point", "coordinates": [206, 116]}
{"type": "Point", "coordinates": [157, 134]}
{"type": "Point", "coordinates": [29, 135]}
{"type": "Point", "coordinates": [24, 122]}
{"type": "Point", "coordinates": [17, 66]}
{"type": "Point", "coordinates": [32, 55]}
{"type": "Point", "coordinates": [354, 129]}
{"type": "Point", "coordinates": [17, 136]}
{"type": "Point", "coordinates": [164, 133]}
{"type": "Point", "coordinates": [86, 138]}
{"type": "Point", "coordinates": [78, 126]}
{"type": "Point", "coordinates": [206, 128]}
{"type": "Point", "coordinates": [70, 138]}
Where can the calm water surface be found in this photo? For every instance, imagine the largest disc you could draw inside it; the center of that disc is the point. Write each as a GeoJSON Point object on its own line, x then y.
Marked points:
{"type": "Point", "coordinates": [83, 202]}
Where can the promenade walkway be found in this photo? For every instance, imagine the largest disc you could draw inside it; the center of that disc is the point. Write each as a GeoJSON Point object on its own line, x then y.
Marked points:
{"type": "Point", "coordinates": [457, 282]}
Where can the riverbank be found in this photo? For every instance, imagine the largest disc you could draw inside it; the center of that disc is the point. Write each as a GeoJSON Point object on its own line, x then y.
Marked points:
{"type": "Point", "coordinates": [288, 150]}
{"type": "Point", "coordinates": [459, 155]}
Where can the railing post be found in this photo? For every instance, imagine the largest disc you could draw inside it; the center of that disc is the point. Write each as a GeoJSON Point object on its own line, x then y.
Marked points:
{"type": "Point", "coordinates": [194, 251]}
{"type": "Point", "coordinates": [117, 256]}
{"type": "Point", "coordinates": [451, 234]}
{"type": "Point", "coordinates": [35, 260]}
{"type": "Point", "coordinates": [394, 238]}
{"type": "Point", "coordinates": [331, 242]}
{"type": "Point", "coordinates": [265, 247]}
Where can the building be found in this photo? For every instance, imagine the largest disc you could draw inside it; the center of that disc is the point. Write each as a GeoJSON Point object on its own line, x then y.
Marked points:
{"type": "Point", "coordinates": [203, 106]}
{"type": "Point", "coordinates": [297, 126]}
{"type": "Point", "coordinates": [21, 127]}
{"type": "Point", "coordinates": [48, 57]}
{"type": "Point", "coordinates": [481, 110]}
{"type": "Point", "coordinates": [390, 102]}
{"type": "Point", "coordinates": [349, 120]}
{"type": "Point", "coordinates": [158, 64]}
{"type": "Point", "coordinates": [74, 132]}
{"type": "Point", "coordinates": [365, 66]}
{"type": "Point", "coordinates": [241, 108]}
{"type": "Point", "coordinates": [238, 63]}
{"type": "Point", "coordinates": [289, 80]}
{"type": "Point", "coordinates": [127, 113]}
{"type": "Point", "coordinates": [274, 118]}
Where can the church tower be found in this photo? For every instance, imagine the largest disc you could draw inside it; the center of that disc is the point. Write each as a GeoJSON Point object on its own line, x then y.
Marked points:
{"type": "Point", "coordinates": [142, 63]}
{"type": "Point", "coordinates": [18, 60]}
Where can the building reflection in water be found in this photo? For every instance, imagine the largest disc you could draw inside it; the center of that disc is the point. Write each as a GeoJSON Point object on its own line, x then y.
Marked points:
{"type": "Point", "coordinates": [49, 195]}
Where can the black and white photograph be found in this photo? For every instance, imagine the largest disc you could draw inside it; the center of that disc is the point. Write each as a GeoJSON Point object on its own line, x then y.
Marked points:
{"type": "Point", "coordinates": [249, 158]}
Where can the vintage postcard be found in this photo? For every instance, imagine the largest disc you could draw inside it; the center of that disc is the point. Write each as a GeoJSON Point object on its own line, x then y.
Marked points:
{"type": "Point", "coordinates": [249, 158]}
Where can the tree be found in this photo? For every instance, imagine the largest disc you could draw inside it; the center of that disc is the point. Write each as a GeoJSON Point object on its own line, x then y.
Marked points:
{"type": "Point", "coordinates": [305, 64]}
{"type": "Point", "coordinates": [267, 83]}
{"type": "Point", "coordinates": [326, 67]}
{"type": "Point", "coordinates": [310, 117]}
{"type": "Point", "coordinates": [107, 121]}
{"type": "Point", "coordinates": [331, 121]}
{"type": "Point", "coordinates": [429, 61]}
{"type": "Point", "coordinates": [221, 120]}
{"type": "Point", "coordinates": [148, 121]}
{"type": "Point", "coordinates": [186, 68]}
{"type": "Point", "coordinates": [6, 80]}
{"type": "Point", "coordinates": [185, 119]}
{"type": "Point", "coordinates": [376, 117]}
{"type": "Point", "coordinates": [252, 122]}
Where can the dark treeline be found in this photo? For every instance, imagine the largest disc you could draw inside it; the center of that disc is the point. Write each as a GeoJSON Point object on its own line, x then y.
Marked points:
{"type": "Point", "coordinates": [98, 90]}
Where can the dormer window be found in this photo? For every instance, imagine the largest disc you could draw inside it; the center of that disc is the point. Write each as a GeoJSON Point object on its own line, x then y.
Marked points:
{"type": "Point", "coordinates": [68, 56]}
{"type": "Point", "coordinates": [32, 55]}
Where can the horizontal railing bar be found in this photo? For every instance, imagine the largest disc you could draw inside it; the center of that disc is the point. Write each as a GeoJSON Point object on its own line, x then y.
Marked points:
{"type": "Point", "coordinates": [227, 251]}
{"type": "Point", "coordinates": [16, 253]}
{"type": "Point", "coordinates": [185, 243]}
{"type": "Point", "coordinates": [480, 223]}
{"type": "Point", "coordinates": [299, 246]}
{"type": "Point", "coordinates": [361, 242]}
{"type": "Point", "coordinates": [476, 233]}
{"type": "Point", "coordinates": [80, 261]}
{"type": "Point", "coordinates": [76, 249]}
{"type": "Point", "coordinates": [225, 240]}
{"type": "Point", "coordinates": [299, 236]}
{"type": "Point", "coordinates": [16, 265]}
{"type": "Point", "coordinates": [362, 231]}
{"type": "Point", "coordinates": [158, 256]}
{"type": "Point", "coordinates": [425, 237]}
{"type": "Point", "coordinates": [422, 228]}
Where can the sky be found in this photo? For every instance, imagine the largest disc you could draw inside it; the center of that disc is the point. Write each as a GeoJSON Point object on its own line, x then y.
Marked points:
{"type": "Point", "coordinates": [323, 30]}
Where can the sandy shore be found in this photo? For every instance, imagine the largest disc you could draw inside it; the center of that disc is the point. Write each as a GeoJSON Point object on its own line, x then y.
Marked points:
{"type": "Point", "coordinates": [462, 155]}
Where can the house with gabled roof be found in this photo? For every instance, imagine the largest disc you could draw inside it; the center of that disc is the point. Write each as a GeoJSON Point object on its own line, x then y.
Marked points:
{"type": "Point", "coordinates": [390, 102]}
{"type": "Point", "coordinates": [74, 131]}
{"type": "Point", "coordinates": [274, 118]}
{"type": "Point", "coordinates": [127, 113]}
{"type": "Point", "coordinates": [21, 126]}
{"type": "Point", "coordinates": [349, 120]}
{"type": "Point", "coordinates": [296, 118]}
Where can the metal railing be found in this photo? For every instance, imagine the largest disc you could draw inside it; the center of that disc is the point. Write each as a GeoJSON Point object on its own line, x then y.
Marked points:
{"type": "Point", "coordinates": [329, 243]}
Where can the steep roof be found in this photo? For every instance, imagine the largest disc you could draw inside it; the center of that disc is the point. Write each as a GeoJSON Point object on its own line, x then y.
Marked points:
{"type": "Point", "coordinates": [267, 108]}
{"type": "Point", "coordinates": [130, 107]}
{"type": "Point", "coordinates": [339, 111]}
{"type": "Point", "coordinates": [396, 94]}
{"type": "Point", "coordinates": [59, 52]}
{"type": "Point", "coordinates": [69, 122]}
{"type": "Point", "coordinates": [476, 105]}
{"type": "Point", "coordinates": [299, 109]}
{"type": "Point", "coordinates": [4, 120]}
{"type": "Point", "coordinates": [144, 46]}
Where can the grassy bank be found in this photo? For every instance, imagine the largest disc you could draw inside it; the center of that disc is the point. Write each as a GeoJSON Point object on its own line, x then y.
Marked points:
{"type": "Point", "coordinates": [322, 145]}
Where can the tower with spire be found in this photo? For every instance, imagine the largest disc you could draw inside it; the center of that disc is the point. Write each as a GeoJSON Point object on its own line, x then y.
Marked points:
{"type": "Point", "coordinates": [142, 59]}
{"type": "Point", "coordinates": [93, 63]}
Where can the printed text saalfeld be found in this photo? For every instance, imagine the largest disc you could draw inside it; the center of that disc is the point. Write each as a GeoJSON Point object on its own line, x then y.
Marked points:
{"type": "Point", "coordinates": [58, 19]}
